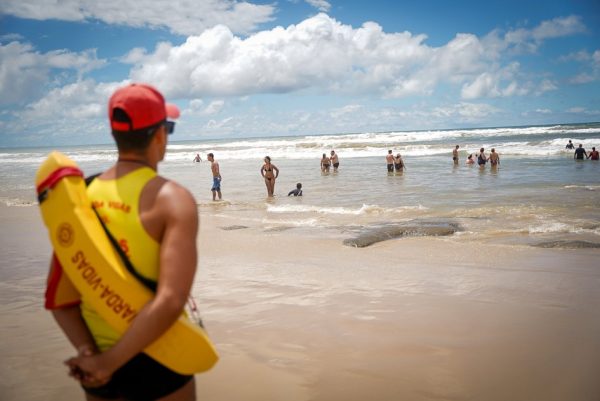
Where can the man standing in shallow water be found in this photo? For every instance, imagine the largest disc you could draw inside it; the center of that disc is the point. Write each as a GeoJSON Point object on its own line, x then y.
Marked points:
{"type": "Point", "coordinates": [580, 152]}
{"type": "Point", "coordinates": [334, 160]}
{"type": "Point", "coordinates": [111, 365]}
{"type": "Point", "coordinates": [455, 154]}
{"type": "Point", "coordinates": [216, 173]}
{"type": "Point", "coordinates": [390, 161]}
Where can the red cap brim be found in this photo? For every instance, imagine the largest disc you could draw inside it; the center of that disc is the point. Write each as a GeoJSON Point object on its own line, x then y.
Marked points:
{"type": "Point", "coordinates": [172, 110]}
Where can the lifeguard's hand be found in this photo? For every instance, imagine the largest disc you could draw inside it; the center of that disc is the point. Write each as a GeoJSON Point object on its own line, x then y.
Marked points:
{"type": "Point", "coordinates": [89, 368]}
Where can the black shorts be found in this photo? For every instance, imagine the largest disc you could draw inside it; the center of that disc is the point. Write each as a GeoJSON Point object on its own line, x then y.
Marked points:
{"type": "Point", "coordinates": [390, 168]}
{"type": "Point", "coordinates": [140, 379]}
{"type": "Point", "coordinates": [336, 165]}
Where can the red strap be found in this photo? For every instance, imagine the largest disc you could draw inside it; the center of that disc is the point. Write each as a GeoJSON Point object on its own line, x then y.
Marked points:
{"type": "Point", "coordinates": [56, 176]}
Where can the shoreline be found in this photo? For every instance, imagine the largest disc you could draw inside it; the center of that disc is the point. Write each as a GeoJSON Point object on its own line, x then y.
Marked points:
{"type": "Point", "coordinates": [425, 318]}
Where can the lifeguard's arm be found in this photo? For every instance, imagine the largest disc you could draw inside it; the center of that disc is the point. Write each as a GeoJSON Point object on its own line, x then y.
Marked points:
{"type": "Point", "coordinates": [262, 171]}
{"type": "Point", "coordinates": [72, 324]}
{"type": "Point", "coordinates": [178, 258]}
{"type": "Point", "coordinates": [63, 299]}
{"type": "Point", "coordinates": [276, 170]}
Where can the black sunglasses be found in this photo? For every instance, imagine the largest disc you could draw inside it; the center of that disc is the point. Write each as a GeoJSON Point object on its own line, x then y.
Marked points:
{"type": "Point", "coordinates": [170, 126]}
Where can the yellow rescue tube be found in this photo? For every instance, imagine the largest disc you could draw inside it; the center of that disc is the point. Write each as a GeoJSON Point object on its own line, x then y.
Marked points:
{"type": "Point", "coordinates": [95, 268]}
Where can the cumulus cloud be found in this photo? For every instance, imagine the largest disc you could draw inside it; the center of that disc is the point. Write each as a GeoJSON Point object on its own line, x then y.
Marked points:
{"type": "Point", "coordinates": [24, 71]}
{"type": "Point", "coordinates": [322, 54]}
{"type": "Point", "coordinates": [496, 83]}
{"type": "Point", "coordinates": [529, 40]}
{"type": "Point", "coordinates": [196, 108]}
{"type": "Point", "coordinates": [319, 52]}
{"type": "Point", "coordinates": [466, 112]}
{"type": "Point", "coordinates": [545, 86]}
{"type": "Point", "coordinates": [78, 100]}
{"type": "Point", "coordinates": [317, 56]}
{"type": "Point", "coordinates": [346, 110]}
{"type": "Point", "coordinates": [590, 64]}
{"type": "Point", "coordinates": [77, 111]}
{"type": "Point", "coordinates": [321, 5]}
{"type": "Point", "coordinates": [183, 17]}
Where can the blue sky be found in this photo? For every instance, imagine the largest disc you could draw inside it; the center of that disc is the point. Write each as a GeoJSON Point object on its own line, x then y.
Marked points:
{"type": "Point", "coordinates": [297, 67]}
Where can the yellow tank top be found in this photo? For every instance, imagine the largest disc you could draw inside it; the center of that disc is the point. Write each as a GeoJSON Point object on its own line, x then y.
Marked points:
{"type": "Point", "coordinates": [117, 202]}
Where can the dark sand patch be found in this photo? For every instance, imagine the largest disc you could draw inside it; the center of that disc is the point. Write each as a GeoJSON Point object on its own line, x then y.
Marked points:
{"type": "Point", "coordinates": [234, 227]}
{"type": "Point", "coordinates": [574, 244]}
{"type": "Point", "coordinates": [409, 229]}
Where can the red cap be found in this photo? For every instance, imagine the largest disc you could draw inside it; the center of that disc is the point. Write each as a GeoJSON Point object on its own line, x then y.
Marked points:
{"type": "Point", "coordinates": [143, 104]}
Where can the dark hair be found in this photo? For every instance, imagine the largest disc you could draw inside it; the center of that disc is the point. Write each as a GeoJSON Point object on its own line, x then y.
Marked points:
{"type": "Point", "coordinates": [267, 158]}
{"type": "Point", "coordinates": [134, 140]}
{"type": "Point", "coordinates": [299, 185]}
{"type": "Point", "coordinates": [210, 155]}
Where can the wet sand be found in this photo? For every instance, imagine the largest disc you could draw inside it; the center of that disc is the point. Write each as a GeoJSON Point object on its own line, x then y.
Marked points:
{"type": "Point", "coordinates": [298, 317]}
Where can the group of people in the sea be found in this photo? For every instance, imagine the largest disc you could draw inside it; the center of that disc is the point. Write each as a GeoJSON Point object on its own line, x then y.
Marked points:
{"type": "Point", "coordinates": [394, 162]}
{"type": "Point", "coordinates": [482, 158]}
{"type": "Point", "coordinates": [270, 172]}
{"type": "Point", "coordinates": [580, 152]}
{"type": "Point", "coordinates": [328, 161]}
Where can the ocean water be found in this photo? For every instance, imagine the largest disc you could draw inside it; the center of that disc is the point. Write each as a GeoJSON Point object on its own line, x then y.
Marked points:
{"type": "Point", "coordinates": [537, 193]}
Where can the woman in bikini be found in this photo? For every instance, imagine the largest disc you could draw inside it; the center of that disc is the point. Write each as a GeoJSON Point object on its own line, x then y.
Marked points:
{"type": "Point", "coordinates": [494, 158]}
{"type": "Point", "coordinates": [325, 163]}
{"type": "Point", "coordinates": [267, 172]}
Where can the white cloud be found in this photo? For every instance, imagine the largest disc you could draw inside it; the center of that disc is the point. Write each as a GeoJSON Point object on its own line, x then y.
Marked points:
{"type": "Point", "coordinates": [196, 108]}
{"type": "Point", "coordinates": [579, 56]}
{"type": "Point", "coordinates": [80, 100]}
{"type": "Point", "coordinates": [591, 63]}
{"type": "Point", "coordinates": [214, 107]}
{"type": "Point", "coordinates": [321, 5]}
{"type": "Point", "coordinates": [25, 72]}
{"type": "Point", "coordinates": [584, 111]}
{"type": "Point", "coordinates": [471, 112]}
{"type": "Point", "coordinates": [546, 86]}
{"type": "Point", "coordinates": [317, 56]}
{"type": "Point", "coordinates": [529, 40]}
{"type": "Point", "coordinates": [558, 27]}
{"type": "Point", "coordinates": [322, 54]}
{"type": "Point", "coordinates": [543, 111]}
{"type": "Point", "coordinates": [180, 16]}
{"type": "Point", "coordinates": [317, 53]}
{"type": "Point", "coordinates": [11, 37]}
{"type": "Point", "coordinates": [496, 83]}
{"type": "Point", "coordinates": [74, 113]}
{"type": "Point", "coordinates": [349, 109]}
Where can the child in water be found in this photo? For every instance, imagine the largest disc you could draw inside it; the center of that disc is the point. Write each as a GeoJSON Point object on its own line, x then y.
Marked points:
{"type": "Point", "coordinates": [297, 191]}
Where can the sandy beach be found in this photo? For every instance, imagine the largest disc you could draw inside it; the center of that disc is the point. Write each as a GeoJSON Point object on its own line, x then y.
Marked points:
{"type": "Point", "coordinates": [297, 317]}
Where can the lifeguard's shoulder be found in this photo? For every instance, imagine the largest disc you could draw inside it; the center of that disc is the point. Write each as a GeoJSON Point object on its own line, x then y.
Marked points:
{"type": "Point", "coordinates": [175, 198]}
